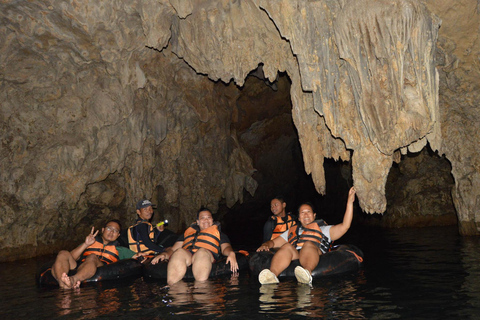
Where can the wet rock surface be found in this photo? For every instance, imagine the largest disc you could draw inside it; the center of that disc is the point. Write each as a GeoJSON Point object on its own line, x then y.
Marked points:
{"type": "Point", "coordinates": [106, 103]}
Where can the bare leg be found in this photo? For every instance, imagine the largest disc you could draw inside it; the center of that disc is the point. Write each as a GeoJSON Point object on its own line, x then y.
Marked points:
{"type": "Point", "coordinates": [309, 256]}
{"type": "Point", "coordinates": [202, 264]}
{"type": "Point", "coordinates": [177, 266]}
{"type": "Point", "coordinates": [282, 258]}
{"type": "Point", "coordinates": [86, 270]}
{"type": "Point", "coordinates": [63, 264]}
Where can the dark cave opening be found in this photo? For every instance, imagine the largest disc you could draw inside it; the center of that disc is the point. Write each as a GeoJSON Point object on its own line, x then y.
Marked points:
{"type": "Point", "coordinates": [266, 131]}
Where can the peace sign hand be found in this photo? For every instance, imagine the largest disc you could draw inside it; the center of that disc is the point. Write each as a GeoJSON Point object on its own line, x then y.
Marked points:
{"type": "Point", "coordinates": [90, 239]}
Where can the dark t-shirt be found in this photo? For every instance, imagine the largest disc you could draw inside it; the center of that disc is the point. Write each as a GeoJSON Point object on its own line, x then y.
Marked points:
{"type": "Point", "coordinates": [142, 231]}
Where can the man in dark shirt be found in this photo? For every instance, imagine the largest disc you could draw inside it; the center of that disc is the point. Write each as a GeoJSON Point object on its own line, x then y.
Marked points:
{"type": "Point", "coordinates": [279, 222]}
{"type": "Point", "coordinates": [142, 236]}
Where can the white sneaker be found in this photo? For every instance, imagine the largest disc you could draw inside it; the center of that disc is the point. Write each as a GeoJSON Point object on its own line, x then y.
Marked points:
{"type": "Point", "coordinates": [302, 275]}
{"type": "Point", "coordinates": [267, 277]}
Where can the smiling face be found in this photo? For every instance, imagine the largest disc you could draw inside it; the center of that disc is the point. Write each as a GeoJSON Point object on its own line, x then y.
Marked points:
{"type": "Point", "coordinates": [205, 219]}
{"type": "Point", "coordinates": [278, 207]}
{"type": "Point", "coordinates": [306, 215]}
{"type": "Point", "coordinates": [145, 213]}
{"type": "Point", "coordinates": [111, 232]}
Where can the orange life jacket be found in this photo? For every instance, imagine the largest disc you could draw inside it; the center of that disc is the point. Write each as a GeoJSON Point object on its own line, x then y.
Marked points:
{"type": "Point", "coordinates": [138, 245]}
{"type": "Point", "coordinates": [106, 253]}
{"type": "Point", "coordinates": [209, 239]}
{"type": "Point", "coordinates": [281, 226]}
{"type": "Point", "coordinates": [311, 233]}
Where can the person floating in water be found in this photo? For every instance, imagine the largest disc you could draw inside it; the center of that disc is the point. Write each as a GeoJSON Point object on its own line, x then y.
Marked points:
{"type": "Point", "coordinates": [200, 246]}
{"type": "Point", "coordinates": [142, 236]}
{"type": "Point", "coordinates": [279, 222]}
{"type": "Point", "coordinates": [305, 242]}
{"type": "Point", "coordinates": [96, 251]}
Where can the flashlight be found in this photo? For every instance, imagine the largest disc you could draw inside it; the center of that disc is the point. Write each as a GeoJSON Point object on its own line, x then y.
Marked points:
{"type": "Point", "coordinates": [161, 223]}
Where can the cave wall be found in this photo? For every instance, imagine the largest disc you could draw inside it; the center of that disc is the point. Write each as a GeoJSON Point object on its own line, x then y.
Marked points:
{"type": "Point", "coordinates": [103, 103]}
{"type": "Point", "coordinates": [93, 120]}
{"type": "Point", "coordinates": [419, 192]}
{"type": "Point", "coordinates": [363, 75]}
{"type": "Point", "coordinates": [365, 82]}
{"type": "Point", "coordinates": [458, 59]}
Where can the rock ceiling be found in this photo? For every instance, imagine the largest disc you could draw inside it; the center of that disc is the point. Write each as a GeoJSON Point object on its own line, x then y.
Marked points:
{"type": "Point", "coordinates": [104, 102]}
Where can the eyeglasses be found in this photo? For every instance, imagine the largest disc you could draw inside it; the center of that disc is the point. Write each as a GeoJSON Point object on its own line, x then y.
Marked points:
{"type": "Point", "coordinates": [112, 229]}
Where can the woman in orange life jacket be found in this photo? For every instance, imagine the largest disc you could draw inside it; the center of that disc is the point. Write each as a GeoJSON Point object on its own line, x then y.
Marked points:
{"type": "Point", "coordinates": [95, 252]}
{"type": "Point", "coordinates": [304, 243]}
{"type": "Point", "coordinates": [199, 247]}
{"type": "Point", "coordinates": [279, 222]}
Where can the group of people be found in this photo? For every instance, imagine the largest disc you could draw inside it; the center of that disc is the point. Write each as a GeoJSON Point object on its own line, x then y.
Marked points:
{"type": "Point", "coordinates": [200, 246]}
{"type": "Point", "coordinates": [305, 241]}
{"type": "Point", "coordinates": [203, 243]}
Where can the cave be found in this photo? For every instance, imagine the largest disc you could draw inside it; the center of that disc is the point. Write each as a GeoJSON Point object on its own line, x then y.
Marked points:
{"type": "Point", "coordinates": [228, 104]}
{"type": "Point", "coordinates": [418, 187]}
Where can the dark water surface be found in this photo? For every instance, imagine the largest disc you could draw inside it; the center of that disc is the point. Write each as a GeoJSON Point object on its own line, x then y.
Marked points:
{"type": "Point", "coordinates": [430, 273]}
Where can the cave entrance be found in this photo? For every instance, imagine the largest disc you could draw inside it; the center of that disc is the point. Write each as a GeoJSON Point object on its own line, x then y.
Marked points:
{"type": "Point", "coordinates": [266, 131]}
{"type": "Point", "coordinates": [418, 189]}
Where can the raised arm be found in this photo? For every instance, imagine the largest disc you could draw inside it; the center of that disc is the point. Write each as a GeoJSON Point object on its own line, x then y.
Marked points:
{"type": "Point", "coordinates": [89, 240]}
{"type": "Point", "coordinates": [337, 231]}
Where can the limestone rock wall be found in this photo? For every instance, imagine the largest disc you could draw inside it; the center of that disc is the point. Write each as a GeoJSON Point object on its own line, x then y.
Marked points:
{"type": "Point", "coordinates": [106, 102]}
{"type": "Point", "coordinates": [93, 120]}
{"type": "Point", "coordinates": [458, 58]}
{"type": "Point", "coordinates": [365, 84]}
{"type": "Point", "coordinates": [373, 82]}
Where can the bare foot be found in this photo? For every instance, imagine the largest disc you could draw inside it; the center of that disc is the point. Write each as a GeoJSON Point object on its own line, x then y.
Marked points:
{"type": "Point", "coordinates": [68, 282]}
{"type": "Point", "coordinates": [65, 282]}
{"type": "Point", "coordinates": [75, 282]}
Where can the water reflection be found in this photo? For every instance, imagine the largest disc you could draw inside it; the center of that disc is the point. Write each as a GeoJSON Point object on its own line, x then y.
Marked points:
{"type": "Point", "coordinates": [408, 274]}
{"type": "Point", "coordinates": [471, 264]}
{"type": "Point", "coordinates": [205, 297]}
{"type": "Point", "coordinates": [108, 301]}
{"type": "Point", "coordinates": [337, 299]}
{"type": "Point", "coordinates": [64, 303]}
{"type": "Point", "coordinates": [87, 303]}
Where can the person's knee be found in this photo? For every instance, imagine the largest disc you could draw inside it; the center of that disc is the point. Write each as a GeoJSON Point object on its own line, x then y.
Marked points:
{"type": "Point", "coordinates": [63, 254]}
{"type": "Point", "coordinates": [309, 245]}
{"type": "Point", "coordinates": [287, 245]}
{"type": "Point", "coordinates": [180, 256]}
{"type": "Point", "coordinates": [287, 248]}
{"type": "Point", "coordinates": [202, 255]}
{"type": "Point", "coordinates": [308, 248]}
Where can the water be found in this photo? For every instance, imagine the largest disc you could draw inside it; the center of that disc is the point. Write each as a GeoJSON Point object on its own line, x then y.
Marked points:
{"type": "Point", "coordinates": [430, 273]}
